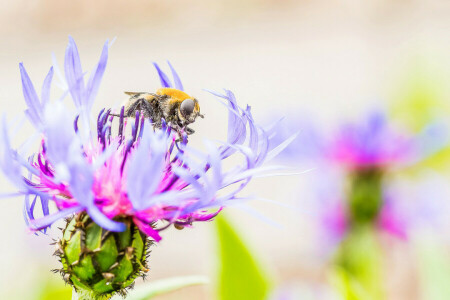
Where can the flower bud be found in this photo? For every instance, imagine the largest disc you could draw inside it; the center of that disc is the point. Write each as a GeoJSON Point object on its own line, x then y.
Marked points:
{"type": "Point", "coordinates": [99, 263]}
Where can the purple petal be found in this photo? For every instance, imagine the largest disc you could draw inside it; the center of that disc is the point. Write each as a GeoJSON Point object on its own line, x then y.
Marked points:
{"type": "Point", "coordinates": [44, 204]}
{"type": "Point", "coordinates": [30, 208]}
{"type": "Point", "coordinates": [237, 123]}
{"type": "Point", "coordinates": [59, 133]}
{"type": "Point", "coordinates": [45, 92]}
{"type": "Point", "coordinates": [216, 165]}
{"type": "Point", "coordinates": [165, 81]}
{"type": "Point", "coordinates": [253, 138]}
{"type": "Point", "coordinates": [103, 221]}
{"type": "Point", "coordinates": [38, 224]}
{"type": "Point", "coordinates": [80, 184]}
{"type": "Point", "coordinates": [176, 78]}
{"type": "Point", "coordinates": [74, 73]}
{"type": "Point", "coordinates": [8, 164]}
{"type": "Point", "coordinates": [31, 98]}
{"type": "Point", "coordinates": [148, 230]}
{"type": "Point", "coordinates": [96, 77]}
{"type": "Point", "coordinates": [146, 166]}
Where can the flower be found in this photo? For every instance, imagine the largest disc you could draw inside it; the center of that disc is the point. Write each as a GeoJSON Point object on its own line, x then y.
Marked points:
{"type": "Point", "coordinates": [122, 180]}
{"type": "Point", "coordinates": [354, 161]}
{"type": "Point", "coordinates": [151, 176]}
{"type": "Point", "coordinates": [373, 144]}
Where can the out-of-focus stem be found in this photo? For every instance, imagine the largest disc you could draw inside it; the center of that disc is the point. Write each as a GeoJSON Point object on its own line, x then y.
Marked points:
{"type": "Point", "coordinates": [365, 196]}
{"type": "Point", "coordinates": [359, 254]}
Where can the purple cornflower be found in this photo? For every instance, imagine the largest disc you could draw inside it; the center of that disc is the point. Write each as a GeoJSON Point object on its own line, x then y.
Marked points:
{"type": "Point", "coordinates": [372, 144]}
{"type": "Point", "coordinates": [353, 161]}
{"type": "Point", "coordinates": [151, 175]}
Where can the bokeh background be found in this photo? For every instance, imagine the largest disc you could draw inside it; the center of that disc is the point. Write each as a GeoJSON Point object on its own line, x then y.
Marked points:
{"type": "Point", "coordinates": [326, 60]}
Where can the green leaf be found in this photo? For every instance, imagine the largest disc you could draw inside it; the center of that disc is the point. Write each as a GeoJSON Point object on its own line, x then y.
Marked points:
{"type": "Point", "coordinates": [419, 99]}
{"type": "Point", "coordinates": [54, 288]}
{"type": "Point", "coordinates": [420, 96]}
{"type": "Point", "coordinates": [152, 289]}
{"type": "Point", "coordinates": [240, 276]}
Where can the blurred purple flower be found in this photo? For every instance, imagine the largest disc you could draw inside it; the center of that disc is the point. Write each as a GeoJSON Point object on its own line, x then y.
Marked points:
{"type": "Point", "coordinates": [373, 143]}
{"type": "Point", "coordinates": [350, 150]}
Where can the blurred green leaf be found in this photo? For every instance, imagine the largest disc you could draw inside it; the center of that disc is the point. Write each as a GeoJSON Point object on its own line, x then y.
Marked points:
{"type": "Point", "coordinates": [434, 264]}
{"type": "Point", "coordinates": [55, 288]}
{"type": "Point", "coordinates": [240, 276]}
{"type": "Point", "coordinates": [419, 98]}
{"type": "Point", "coordinates": [359, 260]}
{"type": "Point", "coordinates": [155, 288]}
{"type": "Point", "coordinates": [439, 161]}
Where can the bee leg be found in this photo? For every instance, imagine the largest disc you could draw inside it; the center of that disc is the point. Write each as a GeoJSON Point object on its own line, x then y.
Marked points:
{"type": "Point", "coordinates": [141, 105]}
{"type": "Point", "coordinates": [189, 130]}
{"type": "Point", "coordinates": [131, 110]}
{"type": "Point", "coordinates": [148, 109]}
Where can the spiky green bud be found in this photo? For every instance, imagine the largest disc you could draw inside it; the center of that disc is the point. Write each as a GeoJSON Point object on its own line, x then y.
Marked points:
{"type": "Point", "coordinates": [99, 263]}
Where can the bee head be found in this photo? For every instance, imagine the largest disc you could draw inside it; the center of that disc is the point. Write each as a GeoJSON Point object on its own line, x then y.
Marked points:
{"type": "Point", "coordinates": [189, 110]}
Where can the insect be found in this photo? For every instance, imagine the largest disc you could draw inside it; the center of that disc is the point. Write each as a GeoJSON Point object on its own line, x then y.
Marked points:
{"type": "Point", "coordinates": [176, 107]}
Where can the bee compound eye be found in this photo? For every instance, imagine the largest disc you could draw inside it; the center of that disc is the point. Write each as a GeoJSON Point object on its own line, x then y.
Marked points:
{"type": "Point", "coordinates": [187, 107]}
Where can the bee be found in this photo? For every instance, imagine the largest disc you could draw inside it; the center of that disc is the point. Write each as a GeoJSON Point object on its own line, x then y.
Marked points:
{"type": "Point", "coordinates": [177, 108]}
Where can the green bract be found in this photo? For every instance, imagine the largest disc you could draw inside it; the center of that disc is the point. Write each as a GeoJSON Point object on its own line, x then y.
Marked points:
{"type": "Point", "coordinates": [99, 263]}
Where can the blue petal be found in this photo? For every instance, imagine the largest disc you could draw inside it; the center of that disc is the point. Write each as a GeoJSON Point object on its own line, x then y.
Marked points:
{"type": "Point", "coordinates": [74, 73]}
{"type": "Point", "coordinates": [103, 221]}
{"type": "Point", "coordinates": [237, 123]}
{"type": "Point", "coordinates": [59, 133]}
{"type": "Point", "coordinates": [46, 221]}
{"type": "Point", "coordinates": [146, 167]}
{"type": "Point", "coordinates": [34, 111]}
{"type": "Point", "coordinates": [176, 78]}
{"type": "Point", "coordinates": [81, 181]}
{"type": "Point", "coordinates": [44, 205]}
{"type": "Point", "coordinates": [253, 138]}
{"type": "Point", "coordinates": [215, 161]}
{"type": "Point", "coordinates": [165, 81]}
{"type": "Point", "coordinates": [45, 92]}
{"type": "Point", "coordinates": [8, 164]}
{"type": "Point", "coordinates": [96, 77]}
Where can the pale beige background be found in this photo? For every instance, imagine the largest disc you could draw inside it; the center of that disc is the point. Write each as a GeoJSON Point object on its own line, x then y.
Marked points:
{"type": "Point", "coordinates": [330, 58]}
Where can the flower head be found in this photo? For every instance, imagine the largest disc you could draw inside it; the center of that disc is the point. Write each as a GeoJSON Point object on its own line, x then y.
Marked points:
{"type": "Point", "coordinates": [353, 162]}
{"type": "Point", "coordinates": [125, 167]}
{"type": "Point", "coordinates": [372, 144]}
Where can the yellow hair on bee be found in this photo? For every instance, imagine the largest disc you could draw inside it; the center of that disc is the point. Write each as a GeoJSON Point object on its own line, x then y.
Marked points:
{"type": "Point", "coordinates": [176, 96]}
{"type": "Point", "coordinates": [173, 93]}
